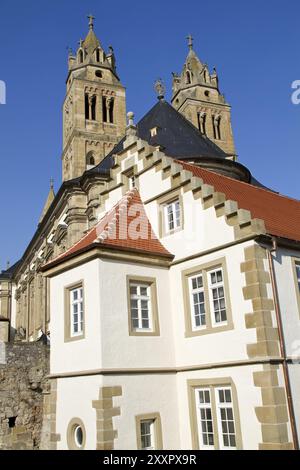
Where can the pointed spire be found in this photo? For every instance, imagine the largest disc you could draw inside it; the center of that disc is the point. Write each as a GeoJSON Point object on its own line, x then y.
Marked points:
{"type": "Point", "coordinates": [50, 199]}
{"type": "Point", "coordinates": [91, 42]}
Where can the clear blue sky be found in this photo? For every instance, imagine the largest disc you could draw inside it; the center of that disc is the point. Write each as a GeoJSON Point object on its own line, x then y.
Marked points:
{"type": "Point", "coordinates": [253, 44]}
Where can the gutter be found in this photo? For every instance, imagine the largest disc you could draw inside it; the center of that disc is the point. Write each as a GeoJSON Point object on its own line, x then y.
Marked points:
{"type": "Point", "coordinates": [285, 361]}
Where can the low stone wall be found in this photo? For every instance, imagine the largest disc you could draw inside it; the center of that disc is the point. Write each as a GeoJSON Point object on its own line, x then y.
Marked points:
{"type": "Point", "coordinates": [23, 383]}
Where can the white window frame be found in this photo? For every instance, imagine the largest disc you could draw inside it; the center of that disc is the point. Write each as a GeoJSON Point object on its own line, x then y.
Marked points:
{"type": "Point", "coordinates": [175, 212]}
{"type": "Point", "coordinates": [139, 298]}
{"type": "Point", "coordinates": [226, 406]}
{"type": "Point", "coordinates": [151, 423]}
{"type": "Point", "coordinates": [193, 291]}
{"type": "Point", "coordinates": [297, 267]}
{"type": "Point", "coordinates": [204, 406]}
{"type": "Point", "coordinates": [215, 407]}
{"type": "Point", "coordinates": [80, 311]}
{"type": "Point", "coordinates": [217, 285]}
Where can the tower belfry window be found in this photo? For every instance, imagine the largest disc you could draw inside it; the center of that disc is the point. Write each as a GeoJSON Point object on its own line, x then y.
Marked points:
{"type": "Point", "coordinates": [104, 111]}
{"type": "Point", "coordinates": [90, 107]}
{"type": "Point", "coordinates": [87, 107]}
{"type": "Point", "coordinates": [219, 128]}
{"type": "Point", "coordinates": [202, 123]}
{"type": "Point", "coordinates": [93, 101]}
{"type": "Point", "coordinates": [108, 109]}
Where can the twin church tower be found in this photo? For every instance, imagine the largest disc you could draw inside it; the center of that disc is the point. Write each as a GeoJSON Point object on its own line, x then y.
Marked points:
{"type": "Point", "coordinates": [94, 111]}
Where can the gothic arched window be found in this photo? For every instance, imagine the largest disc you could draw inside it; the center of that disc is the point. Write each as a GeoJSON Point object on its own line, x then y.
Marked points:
{"type": "Point", "coordinates": [80, 56]}
{"type": "Point", "coordinates": [98, 55]}
{"type": "Point", "coordinates": [188, 77]}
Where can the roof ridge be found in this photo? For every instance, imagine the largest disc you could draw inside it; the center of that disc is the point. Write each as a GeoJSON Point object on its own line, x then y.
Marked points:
{"type": "Point", "coordinates": [238, 181]}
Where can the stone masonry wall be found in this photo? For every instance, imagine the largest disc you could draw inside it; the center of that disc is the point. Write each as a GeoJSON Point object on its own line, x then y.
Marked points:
{"type": "Point", "coordinates": [23, 383]}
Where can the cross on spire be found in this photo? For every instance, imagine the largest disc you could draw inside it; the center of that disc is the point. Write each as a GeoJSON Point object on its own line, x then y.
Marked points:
{"type": "Point", "coordinates": [190, 41]}
{"type": "Point", "coordinates": [51, 183]}
{"type": "Point", "coordinates": [91, 21]}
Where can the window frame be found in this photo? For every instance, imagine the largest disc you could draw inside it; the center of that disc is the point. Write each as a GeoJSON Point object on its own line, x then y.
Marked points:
{"type": "Point", "coordinates": [217, 286]}
{"type": "Point", "coordinates": [176, 216]}
{"type": "Point", "coordinates": [80, 313]}
{"type": "Point", "coordinates": [139, 298]}
{"type": "Point", "coordinates": [225, 405]}
{"type": "Point", "coordinates": [211, 326]}
{"type": "Point", "coordinates": [213, 384]}
{"type": "Point", "coordinates": [154, 317]}
{"type": "Point", "coordinates": [71, 438]}
{"type": "Point", "coordinates": [163, 202]}
{"type": "Point", "coordinates": [206, 406]}
{"type": "Point", "coordinates": [157, 430]}
{"type": "Point", "coordinates": [68, 326]}
{"type": "Point", "coordinates": [295, 263]}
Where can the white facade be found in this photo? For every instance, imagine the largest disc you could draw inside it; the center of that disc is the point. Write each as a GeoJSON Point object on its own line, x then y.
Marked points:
{"type": "Point", "coordinates": [157, 374]}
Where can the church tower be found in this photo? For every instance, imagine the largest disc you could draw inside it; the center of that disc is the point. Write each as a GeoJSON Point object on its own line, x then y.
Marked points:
{"type": "Point", "coordinates": [94, 110]}
{"type": "Point", "coordinates": [196, 95]}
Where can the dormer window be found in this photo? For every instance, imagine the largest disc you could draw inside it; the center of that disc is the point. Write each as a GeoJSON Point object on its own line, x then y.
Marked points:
{"type": "Point", "coordinates": [154, 131]}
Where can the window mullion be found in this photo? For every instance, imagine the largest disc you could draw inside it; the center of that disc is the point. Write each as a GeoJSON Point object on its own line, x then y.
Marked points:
{"type": "Point", "coordinates": [215, 418]}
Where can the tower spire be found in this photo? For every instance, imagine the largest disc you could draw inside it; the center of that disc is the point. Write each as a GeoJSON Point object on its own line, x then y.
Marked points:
{"type": "Point", "coordinates": [91, 21]}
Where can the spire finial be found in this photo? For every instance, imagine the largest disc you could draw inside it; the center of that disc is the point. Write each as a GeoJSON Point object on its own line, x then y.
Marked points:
{"type": "Point", "coordinates": [91, 21]}
{"type": "Point", "coordinates": [190, 41]}
{"type": "Point", "coordinates": [51, 183]}
{"type": "Point", "coordinates": [160, 88]}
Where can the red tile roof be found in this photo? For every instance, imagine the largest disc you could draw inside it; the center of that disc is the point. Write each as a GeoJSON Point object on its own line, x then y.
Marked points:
{"type": "Point", "coordinates": [125, 226]}
{"type": "Point", "coordinates": [281, 214]}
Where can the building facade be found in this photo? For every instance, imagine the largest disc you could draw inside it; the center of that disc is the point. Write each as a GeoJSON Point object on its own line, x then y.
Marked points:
{"type": "Point", "coordinates": [164, 274]}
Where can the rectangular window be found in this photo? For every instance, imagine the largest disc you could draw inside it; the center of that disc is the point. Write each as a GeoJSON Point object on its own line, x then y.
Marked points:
{"type": "Point", "coordinates": [76, 311]}
{"type": "Point", "coordinates": [147, 434]}
{"type": "Point", "coordinates": [298, 274]}
{"type": "Point", "coordinates": [203, 400]}
{"type": "Point", "coordinates": [225, 418]}
{"type": "Point", "coordinates": [197, 301]}
{"type": "Point", "coordinates": [172, 216]}
{"type": "Point", "coordinates": [140, 306]}
{"type": "Point", "coordinates": [217, 296]}
{"type": "Point", "coordinates": [215, 405]}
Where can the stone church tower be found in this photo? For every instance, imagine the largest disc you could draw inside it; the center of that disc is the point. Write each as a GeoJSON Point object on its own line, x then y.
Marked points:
{"type": "Point", "coordinates": [196, 95]}
{"type": "Point", "coordinates": [94, 110]}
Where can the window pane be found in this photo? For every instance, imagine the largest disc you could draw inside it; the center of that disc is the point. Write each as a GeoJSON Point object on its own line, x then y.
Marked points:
{"type": "Point", "coordinates": [226, 417]}
{"type": "Point", "coordinates": [140, 306]}
{"type": "Point", "coordinates": [144, 291]}
{"type": "Point", "coordinates": [133, 290]}
{"type": "Point", "coordinates": [205, 418]}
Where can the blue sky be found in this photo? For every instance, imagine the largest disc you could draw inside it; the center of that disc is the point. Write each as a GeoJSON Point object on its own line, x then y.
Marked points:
{"type": "Point", "coordinates": [253, 44]}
